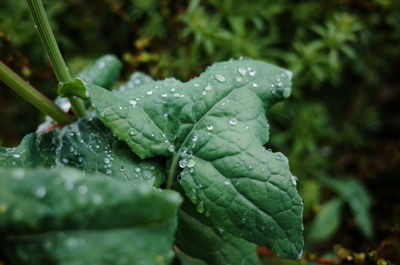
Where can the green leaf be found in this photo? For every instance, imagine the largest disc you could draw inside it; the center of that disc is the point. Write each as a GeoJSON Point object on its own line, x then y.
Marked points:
{"type": "Point", "coordinates": [76, 87]}
{"type": "Point", "coordinates": [187, 260]}
{"type": "Point", "coordinates": [214, 127]}
{"type": "Point", "coordinates": [135, 80]}
{"type": "Point", "coordinates": [64, 217]}
{"type": "Point", "coordinates": [327, 221]}
{"type": "Point", "coordinates": [357, 196]}
{"type": "Point", "coordinates": [87, 145]}
{"type": "Point", "coordinates": [212, 244]}
{"type": "Point", "coordinates": [104, 72]}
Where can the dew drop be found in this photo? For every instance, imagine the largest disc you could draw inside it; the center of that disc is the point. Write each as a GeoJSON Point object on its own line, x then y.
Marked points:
{"type": "Point", "coordinates": [183, 163]}
{"type": "Point", "coordinates": [252, 73]}
{"type": "Point", "coordinates": [242, 71]}
{"type": "Point", "coordinates": [97, 199]}
{"type": "Point", "coordinates": [209, 88]}
{"type": "Point", "coordinates": [239, 79]}
{"type": "Point", "coordinates": [210, 127]}
{"type": "Point", "coordinates": [227, 182]}
{"type": "Point", "coordinates": [220, 78]}
{"type": "Point", "coordinates": [41, 192]}
{"type": "Point", "coordinates": [255, 85]}
{"type": "Point", "coordinates": [195, 138]}
{"type": "Point", "coordinates": [149, 92]}
{"type": "Point", "coordinates": [108, 171]}
{"type": "Point", "coordinates": [233, 121]}
{"type": "Point", "coordinates": [133, 102]}
{"type": "Point", "coordinates": [106, 160]}
{"type": "Point", "coordinates": [82, 190]}
{"type": "Point", "coordinates": [164, 95]}
{"type": "Point", "coordinates": [293, 179]}
{"type": "Point", "coordinates": [200, 207]}
{"type": "Point", "coordinates": [190, 163]}
{"type": "Point", "coordinates": [171, 147]}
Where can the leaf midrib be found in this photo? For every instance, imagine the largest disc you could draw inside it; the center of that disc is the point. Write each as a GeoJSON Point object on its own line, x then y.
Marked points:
{"type": "Point", "coordinates": [175, 158]}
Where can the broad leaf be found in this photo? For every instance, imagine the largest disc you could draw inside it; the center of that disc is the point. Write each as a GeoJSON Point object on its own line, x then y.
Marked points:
{"type": "Point", "coordinates": [87, 145]}
{"type": "Point", "coordinates": [135, 80]}
{"type": "Point", "coordinates": [64, 217]}
{"type": "Point", "coordinates": [212, 244]}
{"type": "Point", "coordinates": [214, 127]}
{"type": "Point", "coordinates": [327, 221]}
{"type": "Point", "coordinates": [104, 72]}
{"type": "Point", "coordinates": [356, 195]}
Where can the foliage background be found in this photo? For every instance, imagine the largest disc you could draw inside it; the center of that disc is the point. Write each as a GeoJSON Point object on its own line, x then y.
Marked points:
{"type": "Point", "coordinates": [340, 129]}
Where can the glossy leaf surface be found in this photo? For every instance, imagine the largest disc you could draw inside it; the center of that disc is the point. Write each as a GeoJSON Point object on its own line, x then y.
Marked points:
{"type": "Point", "coordinates": [64, 217]}
{"type": "Point", "coordinates": [214, 128]}
{"type": "Point", "coordinates": [212, 244]}
{"type": "Point", "coordinates": [87, 145]}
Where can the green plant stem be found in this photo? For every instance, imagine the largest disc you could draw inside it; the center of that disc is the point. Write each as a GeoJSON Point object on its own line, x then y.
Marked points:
{"type": "Point", "coordinates": [172, 170]}
{"type": "Point", "coordinates": [10, 78]}
{"type": "Point", "coordinates": [50, 45]}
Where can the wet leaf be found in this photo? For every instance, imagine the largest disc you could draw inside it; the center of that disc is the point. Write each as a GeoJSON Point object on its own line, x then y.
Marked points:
{"type": "Point", "coordinates": [86, 145]}
{"type": "Point", "coordinates": [212, 244]}
{"type": "Point", "coordinates": [104, 72]}
{"type": "Point", "coordinates": [64, 217]}
{"type": "Point", "coordinates": [214, 128]}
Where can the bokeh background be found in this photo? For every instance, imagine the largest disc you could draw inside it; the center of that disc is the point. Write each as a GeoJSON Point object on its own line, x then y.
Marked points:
{"type": "Point", "coordinates": [340, 129]}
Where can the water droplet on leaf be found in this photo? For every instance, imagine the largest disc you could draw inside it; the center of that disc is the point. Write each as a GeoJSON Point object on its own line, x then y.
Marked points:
{"type": "Point", "coordinates": [220, 78]}
{"type": "Point", "coordinates": [233, 121]}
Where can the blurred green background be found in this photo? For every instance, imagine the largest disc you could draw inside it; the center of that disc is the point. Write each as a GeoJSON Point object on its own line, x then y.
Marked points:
{"type": "Point", "coordinates": [340, 129]}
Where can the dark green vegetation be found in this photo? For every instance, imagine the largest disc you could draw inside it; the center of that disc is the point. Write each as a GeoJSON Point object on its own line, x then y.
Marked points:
{"type": "Point", "coordinates": [339, 129]}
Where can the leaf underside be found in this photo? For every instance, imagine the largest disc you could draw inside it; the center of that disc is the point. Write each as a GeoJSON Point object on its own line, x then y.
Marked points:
{"type": "Point", "coordinates": [214, 127]}
{"type": "Point", "coordinates": [63, 217]}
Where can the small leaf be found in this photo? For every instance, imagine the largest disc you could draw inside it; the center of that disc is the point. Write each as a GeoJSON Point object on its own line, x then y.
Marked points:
{"type": "Point", "coordinates": [214, 128]}
{"type": "Point", "coordinates": [357, 196]}
{"type": "Point", "coordinates": [327, 221]}
{"type": "Point", "coordinates": [76, 87]}
{"type": "Point", "coordinates": [64, 217]}
{"type": "Point", "coordinates": [87, 145]}
{"type": "Point", "coordinates": [212, 244]}
{"type": "Point", "coordinates": [104, 72]}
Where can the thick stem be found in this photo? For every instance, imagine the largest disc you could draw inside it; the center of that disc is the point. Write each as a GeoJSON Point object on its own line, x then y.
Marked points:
{"type": "Point", "coordinates": [50, 45]}
{"type": "Point", "coordinates": [172, 170]}
{"type": "Point", "coordinates": [11, 79]}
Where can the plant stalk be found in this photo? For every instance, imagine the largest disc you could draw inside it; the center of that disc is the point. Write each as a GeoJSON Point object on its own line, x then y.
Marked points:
{"type": "Point", "coordinates": [172, 170]}
{"type": "Point", "coordinates": [14, 81]}
{"type": "Point", "coordinates": [50, 45]}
